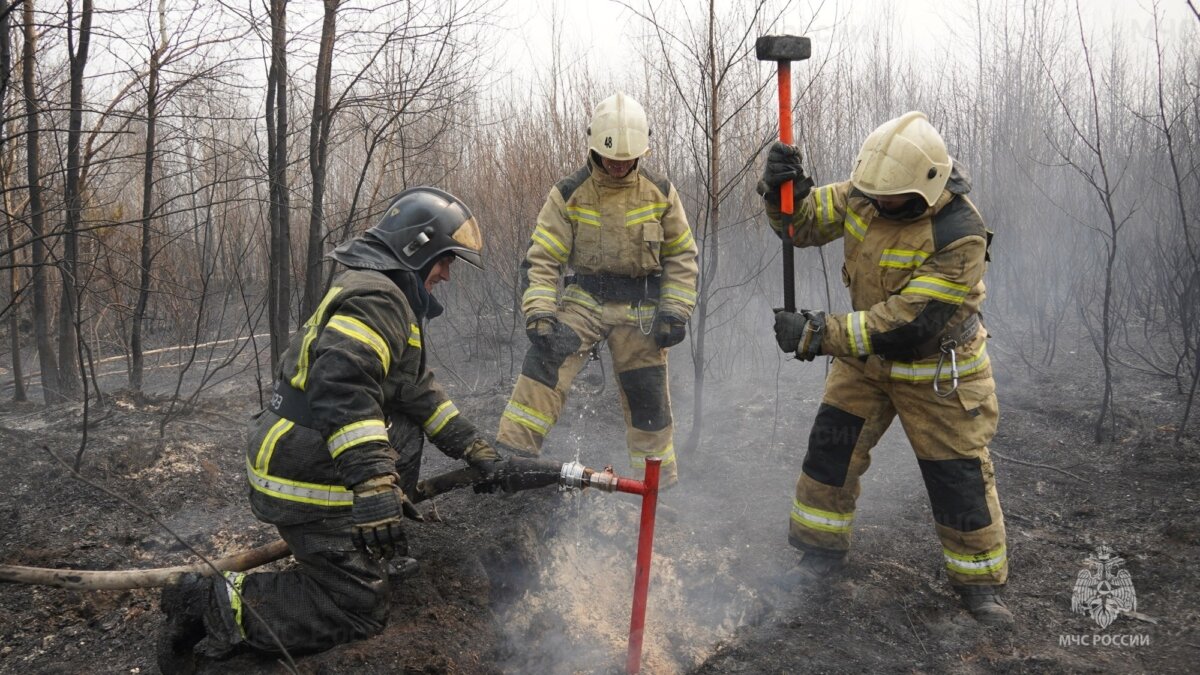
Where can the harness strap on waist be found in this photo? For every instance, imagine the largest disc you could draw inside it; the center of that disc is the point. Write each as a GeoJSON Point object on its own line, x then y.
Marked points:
{"type": "Point", "coordinates": [290, 403]}
{"type": "Point", "coordinates": [617, 288]}
{"type": "Point", "coordinates": [959, 335]}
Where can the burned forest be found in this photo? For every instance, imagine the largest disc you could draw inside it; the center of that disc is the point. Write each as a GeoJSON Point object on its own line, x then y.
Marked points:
{"type": "Point", "coordinates": [176, 177]}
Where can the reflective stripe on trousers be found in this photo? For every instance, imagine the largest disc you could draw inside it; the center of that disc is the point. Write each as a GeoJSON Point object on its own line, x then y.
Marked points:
{"type": "Point", "coordinates": [817, 519]}
{"type": "Point", "coordinates": [987, 562]}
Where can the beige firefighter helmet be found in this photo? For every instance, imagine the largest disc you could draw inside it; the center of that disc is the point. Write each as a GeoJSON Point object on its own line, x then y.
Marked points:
{"type": "Point", "coordinates": [619, 129]}
{"type": "Point", "coordinates": [903, 155]}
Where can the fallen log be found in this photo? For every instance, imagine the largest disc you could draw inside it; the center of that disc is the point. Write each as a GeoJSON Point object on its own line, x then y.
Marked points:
{"type": "Point", "coordinates": [111, 580]}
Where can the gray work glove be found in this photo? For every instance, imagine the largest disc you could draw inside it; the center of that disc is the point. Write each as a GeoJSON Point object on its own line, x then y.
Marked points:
{"type": "Point", "coordinates": [377, 514]}
{"type": "Point", "coordinates": [783, 164]}
{"type": "Point", "coordinates": [549, 334]}
{"type": "Point", "coordinates": [800, 333]}
{"type": "Point", "coordinates": [669, 330]}
{"type": "Point", "coordinates": [541, 329]}
{"type": "Point", "coordinates": [481, 455]}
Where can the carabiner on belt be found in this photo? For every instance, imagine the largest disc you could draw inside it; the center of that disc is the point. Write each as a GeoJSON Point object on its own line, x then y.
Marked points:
{"type": "Point", "coordinates": [947, 347]}
{"type": "Point", "coordinates": [637, 308]}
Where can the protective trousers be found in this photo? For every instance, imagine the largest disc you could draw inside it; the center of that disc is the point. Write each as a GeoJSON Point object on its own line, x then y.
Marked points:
{"type": "Point", "coordinates": [950, 437]}
{"type": "Point", "coordinates": [641, 374]}
{"type": "Point", "coordinates": [337, 595]}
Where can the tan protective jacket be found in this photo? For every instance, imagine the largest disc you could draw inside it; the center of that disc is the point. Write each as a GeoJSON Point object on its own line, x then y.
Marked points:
{"type": "Point", "coordinates": [912, 283]}
{"type": "Point", "coordinates": [633, 226]}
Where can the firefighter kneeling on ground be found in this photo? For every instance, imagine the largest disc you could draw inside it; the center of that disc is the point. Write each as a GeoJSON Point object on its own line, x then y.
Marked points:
{"type": "Point", "coordinates": [913, 346]}
{"type": "Point", "coordinates": [322, 462]}
{"type": "Point", "coordinates": [624, 232]}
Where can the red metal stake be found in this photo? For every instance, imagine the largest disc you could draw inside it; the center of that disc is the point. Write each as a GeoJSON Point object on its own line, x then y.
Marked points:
{"type": "Point", "coordinates": [641, 575]}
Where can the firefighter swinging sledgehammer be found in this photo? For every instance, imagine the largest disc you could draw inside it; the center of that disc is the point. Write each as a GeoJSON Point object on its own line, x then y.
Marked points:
{"type": "Point", "coordinates": [913, 347]}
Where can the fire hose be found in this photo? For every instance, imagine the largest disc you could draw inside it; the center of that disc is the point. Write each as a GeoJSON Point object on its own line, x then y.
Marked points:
{"type": "Point", "coordinates": [518, 474]}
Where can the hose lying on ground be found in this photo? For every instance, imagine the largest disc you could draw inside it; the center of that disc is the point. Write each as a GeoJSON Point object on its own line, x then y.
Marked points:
{"type": "Point", "coordinates": [112, 580]}
{"type": "Point", "coordinates": [523, 474]}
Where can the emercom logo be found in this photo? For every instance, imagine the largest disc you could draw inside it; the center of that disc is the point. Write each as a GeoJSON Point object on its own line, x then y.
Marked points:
{"type": "Point", "coordinates": [1103, 591]}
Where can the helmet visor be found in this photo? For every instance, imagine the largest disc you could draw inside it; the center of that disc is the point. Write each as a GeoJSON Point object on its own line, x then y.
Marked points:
{"type": "Point", "coordinates": [470, 243]}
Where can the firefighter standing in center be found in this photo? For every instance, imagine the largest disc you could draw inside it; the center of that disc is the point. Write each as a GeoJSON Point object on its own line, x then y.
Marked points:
{"type": "Point", "coordinates": [623, 230]}
{"type": "Point", "coordinates": [322, 462]}
{"type": "Point", "coordinates": [913, 347]}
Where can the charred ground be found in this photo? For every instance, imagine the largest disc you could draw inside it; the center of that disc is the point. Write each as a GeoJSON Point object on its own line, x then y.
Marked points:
{"type": "Point", "coordinates": [540, 581]}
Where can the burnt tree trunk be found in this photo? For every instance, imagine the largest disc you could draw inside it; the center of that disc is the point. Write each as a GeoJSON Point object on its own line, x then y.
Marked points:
{"type": "Point", "coordinates": [37, 221]}
{"type": "Point", "coordinates": [279, 284]}
{"type": "Point", "coordinates": [137, 356]}
{"type": "Point", "coordinates": [68, 336]}
{"type": "Point", "coordinates": [711, 254]}
{"type": "Point", "coordinates": [14, 322]}
{"type": "Point", "coordinates": [318, 153]}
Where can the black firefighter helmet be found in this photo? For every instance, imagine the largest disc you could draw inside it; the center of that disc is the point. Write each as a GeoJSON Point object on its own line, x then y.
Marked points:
{"type": "Point", "coordinates": [422, 225]}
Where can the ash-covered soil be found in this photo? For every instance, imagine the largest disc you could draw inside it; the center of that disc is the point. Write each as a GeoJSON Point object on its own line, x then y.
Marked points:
{"type": "Point", "coordinates": [540, 582]}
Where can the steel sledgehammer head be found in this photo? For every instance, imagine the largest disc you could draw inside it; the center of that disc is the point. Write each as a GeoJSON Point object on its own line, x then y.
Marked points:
{"type": "Point", "coordinates": [782, 48]}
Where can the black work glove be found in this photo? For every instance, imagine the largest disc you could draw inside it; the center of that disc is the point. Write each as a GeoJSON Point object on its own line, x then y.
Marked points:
{"type": "Point", "coordinates": [377, 514]}
{"type": "Point", "coordinates": [800, 333]}
{"type": "Point", "coordinates": [789, 328]}
{"type": "Point", "coordinates": [783, 164]}
{"type": "Point", "coordinates": [669, 330]}
{"type": "Point", "coordinates": [483, 456]}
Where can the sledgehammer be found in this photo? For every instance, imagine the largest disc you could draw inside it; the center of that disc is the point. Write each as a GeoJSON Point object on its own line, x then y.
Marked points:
{"type": "Point", "coordinates": [783, 49]}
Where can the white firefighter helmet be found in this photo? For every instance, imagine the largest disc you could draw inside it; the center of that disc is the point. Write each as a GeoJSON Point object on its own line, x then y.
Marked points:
{"type": "Point", "coordinates": [903, 155]}
{"type": "Point", "coordinates": [619, 129]}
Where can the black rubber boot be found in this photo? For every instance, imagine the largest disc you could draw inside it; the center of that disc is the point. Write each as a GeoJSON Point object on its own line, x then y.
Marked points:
{"type": "Point", "coordinates": [184, 604]}
{"type": "Point", "coordinates": [816, 566]}
{"type": "Point", "coordinates": [985, 605]}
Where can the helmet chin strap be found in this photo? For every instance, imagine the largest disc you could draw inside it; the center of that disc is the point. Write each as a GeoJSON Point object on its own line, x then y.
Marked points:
{"type": "Point", "coordinates": [599, 161]}
{"type": "Point", "coordinates": [910, 209]}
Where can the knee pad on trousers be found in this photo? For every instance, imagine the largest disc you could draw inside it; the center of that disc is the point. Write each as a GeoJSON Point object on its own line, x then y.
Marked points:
{"type": "Point", "coordinates": [646, 391]}
{"type": "Point", "coordinates": [957, 493]}
{"type": "Point", "coordinates": [830, 445]}
{"type": "Point", "coordinates": [542, 364]}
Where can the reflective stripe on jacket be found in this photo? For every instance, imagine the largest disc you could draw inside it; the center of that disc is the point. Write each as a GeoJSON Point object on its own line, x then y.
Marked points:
{"type": "Point", "coordinates": [633, 226]}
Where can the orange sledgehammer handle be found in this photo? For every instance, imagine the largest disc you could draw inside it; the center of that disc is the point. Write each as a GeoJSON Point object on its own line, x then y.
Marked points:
{"type": "Point", "coordinates": [785, 136]}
